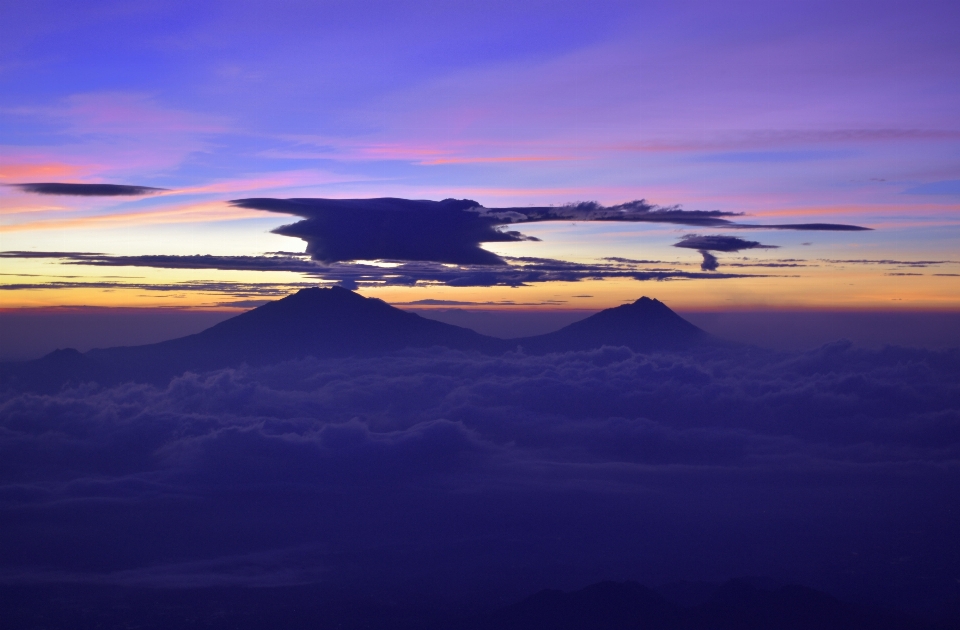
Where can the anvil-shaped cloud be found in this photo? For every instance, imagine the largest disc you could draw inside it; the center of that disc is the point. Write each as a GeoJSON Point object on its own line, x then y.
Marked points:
{"type": "Point", "coordinates": [451, 231]}
{"type": "Point", "coordinates": [717, 243]}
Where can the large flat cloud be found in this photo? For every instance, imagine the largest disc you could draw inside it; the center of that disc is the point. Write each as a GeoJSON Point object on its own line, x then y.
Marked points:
{"type": "Point", "coordinates": [448, 231]}
{"type": "Point", "coordinates": [451, 231]}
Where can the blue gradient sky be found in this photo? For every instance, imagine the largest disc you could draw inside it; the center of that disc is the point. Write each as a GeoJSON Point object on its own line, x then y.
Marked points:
{"type": "Point", "coordinates": [788, 111]}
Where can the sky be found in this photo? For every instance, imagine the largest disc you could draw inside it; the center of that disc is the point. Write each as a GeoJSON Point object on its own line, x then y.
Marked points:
{"type": "Point", "coordinates": [787, 171]}
{"type": "Point", "coordinates": [770, 113]}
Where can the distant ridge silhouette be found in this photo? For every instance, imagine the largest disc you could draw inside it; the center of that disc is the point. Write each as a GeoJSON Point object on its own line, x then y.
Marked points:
{"type": "Point", "coordinates": [336, 322]}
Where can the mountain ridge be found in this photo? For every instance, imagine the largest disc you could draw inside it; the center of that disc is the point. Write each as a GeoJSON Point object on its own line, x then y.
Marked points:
{"type": "Point", "coordinates": [336, 322]}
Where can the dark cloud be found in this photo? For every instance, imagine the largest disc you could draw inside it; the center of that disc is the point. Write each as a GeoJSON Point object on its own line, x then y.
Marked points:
{"type": "Point", "coordinates": [88, 190]}
{"type": "Point", "coordinates": [887, 261]}
{"type": "Point", "coordinates": [633, 261]}
{"type": "Point", "coordinates": [430, 302]}
{"type": "Point", "coordinates": [804, 227]}
{"type": "Point", "coordinates": [709, 261]}
{"type": "Point", "coordinates": [204, 261]}
{"type": "Point", "coordinates": [717, 243]}
{"type": "Point", "coordinates": [451, 231]}
{"type": "Point", "coordinates": [348, 283]}
{"type": "Point", "coordinates": [772, 265]}
{"type": "Point", "coordinates": [271, 289]}
{"type": "Point", "coordinates": [448, 231]}
{"type": "Point", "coordinates": [514, 271]}
{"type": "Point", "coordinates": [243, 303]}
{"type": "Point", "coordinates": [64, 255]}
{"type": "Point", "coordinates": [449, 473]}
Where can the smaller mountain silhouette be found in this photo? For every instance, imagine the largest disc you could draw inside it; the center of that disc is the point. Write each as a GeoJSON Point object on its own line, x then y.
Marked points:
{"type": "Point", "coordinates": [646, 324]}
{"type": "Point", "coordinates": [336, 322]}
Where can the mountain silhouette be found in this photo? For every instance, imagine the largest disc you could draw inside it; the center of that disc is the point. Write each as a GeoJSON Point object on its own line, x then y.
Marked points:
{"type": "Point", "coordinates": [336, 322]}
{"type": "Point", "coordinates": [646, 324]}
{"type": "Point", "coordinates": [312, 322]}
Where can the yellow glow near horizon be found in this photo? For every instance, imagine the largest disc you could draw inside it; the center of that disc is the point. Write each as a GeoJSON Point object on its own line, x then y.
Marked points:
{"type": "Point", "coordinates": [174, 226]}
{"type": "Point", "coordinates": [854, 289]}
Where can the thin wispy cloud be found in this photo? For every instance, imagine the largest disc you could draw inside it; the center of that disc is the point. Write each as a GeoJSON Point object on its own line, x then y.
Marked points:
{"type": "Point", "coordinates": [513, 272]}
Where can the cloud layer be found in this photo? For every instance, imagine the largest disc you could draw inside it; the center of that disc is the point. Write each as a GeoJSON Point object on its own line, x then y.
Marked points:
{"type": "Point", "coordinates": [443, 472]}
{"type": "Point", "coordinates": [512, 272]}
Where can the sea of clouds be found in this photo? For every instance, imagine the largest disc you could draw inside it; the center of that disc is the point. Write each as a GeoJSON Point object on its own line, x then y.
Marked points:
{"type": "Point", "coordinates": [442, 474]}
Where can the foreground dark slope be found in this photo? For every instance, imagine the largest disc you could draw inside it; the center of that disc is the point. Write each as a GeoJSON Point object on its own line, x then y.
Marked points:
{"type": "Point", "coordinates": [735, 605]}
{"type": "Point", "coordinates": [335, 322]}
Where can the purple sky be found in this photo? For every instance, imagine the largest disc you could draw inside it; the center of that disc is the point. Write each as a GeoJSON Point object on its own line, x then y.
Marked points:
{"type": "Point", "coordinates": [149, 153]}
{"type": "Point", "coordinates": [788, 111]}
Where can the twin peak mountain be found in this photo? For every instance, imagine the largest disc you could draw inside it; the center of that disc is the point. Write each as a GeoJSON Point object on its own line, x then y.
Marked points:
{"type": "Point", "coordinates": [336, 322]}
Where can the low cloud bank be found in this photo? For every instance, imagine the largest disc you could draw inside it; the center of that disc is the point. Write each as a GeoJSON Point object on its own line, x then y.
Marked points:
{"type": "Point", "coordinates": [442, 472]}
{"type": "Point", "coordinates": [519, 272]}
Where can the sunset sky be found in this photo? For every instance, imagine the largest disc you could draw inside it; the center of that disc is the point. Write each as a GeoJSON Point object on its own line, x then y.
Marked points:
{"type": "Point", "coordinates": [448, 314]}
{"type": "Point", "coordinates": [788, 112]}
